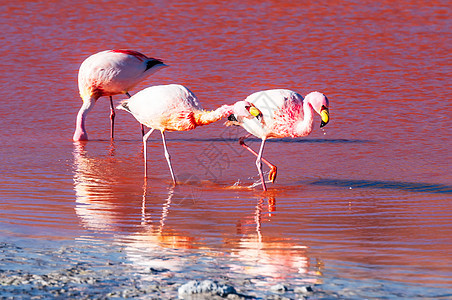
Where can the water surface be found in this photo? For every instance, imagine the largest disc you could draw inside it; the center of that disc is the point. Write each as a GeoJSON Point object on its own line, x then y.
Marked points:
{"type": "Point", "coordinates": [363, 206]}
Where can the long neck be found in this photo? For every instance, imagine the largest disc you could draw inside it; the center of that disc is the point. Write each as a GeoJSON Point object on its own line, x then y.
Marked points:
{"type": "Point", "coordinates": [304, 127]}
{"type": "Point", "coordinates": [80, 133]}
{"type": "Point", "coordinates": [206, 117]}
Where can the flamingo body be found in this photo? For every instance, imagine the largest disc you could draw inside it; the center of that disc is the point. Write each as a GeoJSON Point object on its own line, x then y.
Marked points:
{"type": "Point", "coordinates": [113, 72]}
{"type": "Point", "coordinates": [165, 107]}
{"type": "Point", "coordinates": [109, 73]}
{"type": "Point", "coordinates": [284, 114]}
{"type": "Point", "coordinates": [175, 108]}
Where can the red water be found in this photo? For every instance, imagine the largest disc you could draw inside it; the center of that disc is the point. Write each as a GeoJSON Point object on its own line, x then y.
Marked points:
{"type": "Point", "coordinates": [368, 198]}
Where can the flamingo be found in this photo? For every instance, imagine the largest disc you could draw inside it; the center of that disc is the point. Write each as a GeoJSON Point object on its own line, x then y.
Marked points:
{"type": "Point", "coordinates": [109, 73]}
{"type": "Point", "coordinates": [284, 114]}
{"type": "Point", "coordinates": [174, 107]}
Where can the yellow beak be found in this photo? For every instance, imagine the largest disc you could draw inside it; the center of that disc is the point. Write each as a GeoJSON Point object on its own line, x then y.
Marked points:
{"type": "Point", "coordinates": [255, 112]}
{"type": "Point", "coordinates": [325, 114]}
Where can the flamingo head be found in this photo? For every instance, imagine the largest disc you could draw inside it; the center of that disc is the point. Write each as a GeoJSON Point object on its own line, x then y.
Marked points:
{"type": "Point", "coordinates": [244, 110]}
{"type": "Point", "coordinates": [321, 105]}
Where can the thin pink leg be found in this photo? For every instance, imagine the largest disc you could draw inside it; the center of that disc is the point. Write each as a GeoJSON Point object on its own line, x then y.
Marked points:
{"type": "Point", "coordinates": [259, 164]}
{"type": "Point", "coordinates": [273, 169]}
{"type": "Point", "coordinates": [145, 137]}
{"type": "Point", "coordinates": [112, 117]}
{"type": "Point", "coordinates": [168, 158]}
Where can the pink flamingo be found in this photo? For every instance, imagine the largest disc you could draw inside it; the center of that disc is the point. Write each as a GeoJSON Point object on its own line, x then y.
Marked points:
{"type": "Point", "coordinates": [175, 108]}
{"type": "Point", "coordinates": [284, 114]}
{"type": "Point", "coordinates": [109, 73]}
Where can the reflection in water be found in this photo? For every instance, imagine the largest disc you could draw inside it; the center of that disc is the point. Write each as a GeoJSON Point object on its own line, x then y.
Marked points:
{"type": "Point", "coordinates": [141, 229]}
{"type": "Point", "coordinates": [269, 256]}
{"type": "Point", "coordinates": [92, 185]}
{"type": "Point", "coordinates": [103, 208]}
{"type": "Point", "coordinates": [154, 233]}
{"type": "Point", "coordinates": [105, 205]}
{"type": "Point", "coordinates": [145, 247]}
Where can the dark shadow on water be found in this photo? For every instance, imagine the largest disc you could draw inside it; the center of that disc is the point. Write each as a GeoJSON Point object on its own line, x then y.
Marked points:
{"type": "Point", "coordinates": [391, 185]}
{"type": "Point", "coordinates": [321, 141]}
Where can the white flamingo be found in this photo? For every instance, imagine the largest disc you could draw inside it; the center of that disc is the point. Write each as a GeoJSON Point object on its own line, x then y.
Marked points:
{"type": "Point", "coordinates": [284, 114]}
{"type": "Point", "coordinates": [109, 73]}
{"type": "Point", "coordinates": [175, 108]}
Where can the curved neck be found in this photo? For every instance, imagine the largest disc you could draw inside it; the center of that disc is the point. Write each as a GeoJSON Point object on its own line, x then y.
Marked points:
{"type": "Point", "coordinates": [80, 133]}
{"type": "Point", "coordinates": [304, 127]}
{"type": "Point", "coordinates": [206, 117]}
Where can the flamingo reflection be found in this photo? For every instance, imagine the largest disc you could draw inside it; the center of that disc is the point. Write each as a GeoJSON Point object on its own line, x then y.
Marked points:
{"type": "Point", "coordinates": [106, 205]}
{"type": "Point", "coordinates": [269, 256]}
{"type": "Point", "coordinates": [93, 183]}
{"type": "Point", "coordinates": [107, 202]}
{"type": "Point", "coordinates": [155, 232]}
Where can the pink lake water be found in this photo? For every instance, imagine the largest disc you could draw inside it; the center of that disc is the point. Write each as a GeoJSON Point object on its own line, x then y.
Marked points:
{"type": "Point", "coordinates": [364, 204]}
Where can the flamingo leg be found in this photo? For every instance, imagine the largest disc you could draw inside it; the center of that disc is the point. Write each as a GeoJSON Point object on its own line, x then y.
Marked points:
{"type": "Point", "coordinates": [168, 158]}
{"type": "Point", "coordinates": [259, 164]}
{"type": "Point", "coordinates": [273, 169]}
{"type": "Point", "coordinates": [142, 126]}
{"type": "Point", "coordinates": [112, 117]}
{"type": "Point", "coordinates": [145, 137]}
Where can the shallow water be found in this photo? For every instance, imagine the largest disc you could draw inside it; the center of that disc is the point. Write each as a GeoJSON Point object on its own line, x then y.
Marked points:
{"type": "Point", "coordinates": [362, 208]}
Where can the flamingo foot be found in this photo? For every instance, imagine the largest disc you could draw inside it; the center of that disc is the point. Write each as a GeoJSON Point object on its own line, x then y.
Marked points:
{"type": "Point", "coordinates": [272, 174]}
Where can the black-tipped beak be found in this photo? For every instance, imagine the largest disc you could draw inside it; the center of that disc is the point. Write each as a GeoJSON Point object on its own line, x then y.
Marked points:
{"type": "Point", "coordinates": [232, 118]}
{"type": "Point", "coordinates": [325, 114]}
{"type": "Point", "coordinates": [155, 63]}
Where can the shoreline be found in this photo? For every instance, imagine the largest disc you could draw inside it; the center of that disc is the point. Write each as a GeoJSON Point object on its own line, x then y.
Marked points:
{"type": "Point", "coordinates": [102, 272]}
